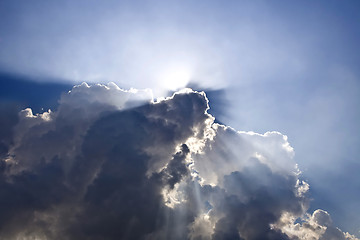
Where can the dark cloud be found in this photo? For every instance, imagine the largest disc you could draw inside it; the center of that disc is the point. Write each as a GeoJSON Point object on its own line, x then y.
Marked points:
{"type": "Point", "coordinates": [263, 206]}
{"type": "Point", "coordinates": [8, 120]}
{"type": "Point", "coordinates": [113, 164]}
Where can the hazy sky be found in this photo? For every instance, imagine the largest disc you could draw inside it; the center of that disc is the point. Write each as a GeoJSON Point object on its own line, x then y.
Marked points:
{"type": "Point", "coordinates": [287, 66]}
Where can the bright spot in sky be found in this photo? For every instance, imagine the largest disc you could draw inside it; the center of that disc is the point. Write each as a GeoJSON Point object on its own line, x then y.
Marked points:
{"type": "Point", "coordinates": [175, 78]}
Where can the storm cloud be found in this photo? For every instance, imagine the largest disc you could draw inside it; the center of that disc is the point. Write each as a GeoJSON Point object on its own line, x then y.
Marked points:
{"type": "Point", "coordinates": [115, 164]}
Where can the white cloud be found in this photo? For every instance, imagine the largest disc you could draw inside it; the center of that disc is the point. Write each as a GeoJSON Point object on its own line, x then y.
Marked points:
{"type": "Point", "coordinates": [316, 226]}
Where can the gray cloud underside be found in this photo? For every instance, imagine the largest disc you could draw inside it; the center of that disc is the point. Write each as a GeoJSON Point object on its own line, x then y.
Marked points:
{"type": "Point", "coordinates": [113, 164]}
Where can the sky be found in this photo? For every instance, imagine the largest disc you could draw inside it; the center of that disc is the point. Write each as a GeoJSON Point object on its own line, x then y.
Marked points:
{"type": "Point", "coordinates": [279, 68]}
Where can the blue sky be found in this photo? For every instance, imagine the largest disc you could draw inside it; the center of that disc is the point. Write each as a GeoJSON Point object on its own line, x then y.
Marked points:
{"type": "Point", "coordinates": [288, 66]}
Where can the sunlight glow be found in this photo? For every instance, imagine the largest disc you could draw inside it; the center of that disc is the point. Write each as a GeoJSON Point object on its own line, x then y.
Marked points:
{"type": "Point", "coordinates": [175, 78]}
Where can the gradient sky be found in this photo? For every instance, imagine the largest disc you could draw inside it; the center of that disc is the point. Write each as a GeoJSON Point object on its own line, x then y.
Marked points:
{"type": "Point", "coordinates": [289, 66]}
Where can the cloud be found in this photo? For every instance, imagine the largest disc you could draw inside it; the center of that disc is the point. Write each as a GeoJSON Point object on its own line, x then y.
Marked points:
{"type": "Point", "coordinates": [115, 164]}
{"type": "Point", "coordinates": [316, 226]}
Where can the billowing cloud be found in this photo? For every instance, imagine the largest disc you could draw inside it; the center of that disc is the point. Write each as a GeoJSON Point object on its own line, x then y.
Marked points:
{"type": "Point", "coordinates": [316, 226]}
{"type": "Point", "coordinates": [115, 164]}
